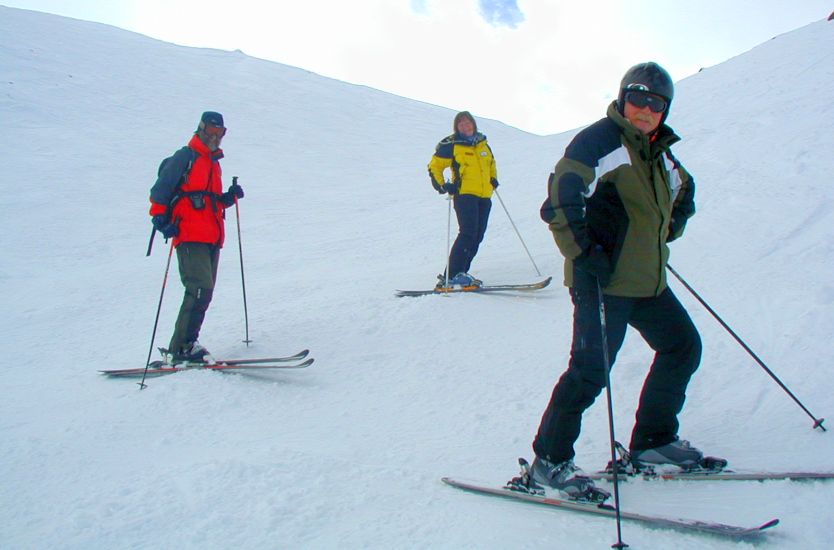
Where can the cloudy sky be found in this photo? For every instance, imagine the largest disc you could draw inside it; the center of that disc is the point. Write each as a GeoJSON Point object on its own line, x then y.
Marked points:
{"type": "Point", "coordinates": [543, 66]}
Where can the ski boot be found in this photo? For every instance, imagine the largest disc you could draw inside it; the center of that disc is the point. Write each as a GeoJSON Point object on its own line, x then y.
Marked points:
{"type": "Point", "coordinates": [190, 354]}
{"type": "Point", "coordinates": [565, 477]}
{"type": "Point", "coordinates": [678, 454]}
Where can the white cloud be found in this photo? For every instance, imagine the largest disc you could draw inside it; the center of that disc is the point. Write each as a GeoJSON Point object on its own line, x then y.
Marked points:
{"type": "Point", "coordinates": [539, 65]}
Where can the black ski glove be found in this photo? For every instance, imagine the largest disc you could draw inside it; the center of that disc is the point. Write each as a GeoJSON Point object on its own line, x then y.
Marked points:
{"type": "Point", "coordinates": [235, 191]}
{"type": "Point", "coordinates": [494, 183]}
{"type": "Point", "coordinates": [162, 223]}
{"type": "Point", "coordinates": [451, 187]}
{"type": "Point", "coordinates": [595, 261]}
{"type": "Point", "coordinates": [439, 188]}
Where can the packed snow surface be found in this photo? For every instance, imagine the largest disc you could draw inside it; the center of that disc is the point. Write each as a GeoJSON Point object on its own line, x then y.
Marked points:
{"type": "Point", "coordinates": [338, 214]}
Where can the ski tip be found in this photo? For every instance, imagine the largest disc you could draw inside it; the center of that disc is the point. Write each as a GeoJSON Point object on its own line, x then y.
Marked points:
{"type": "Point", "coordinates": [772, 523]}
{"type": "Point", "coordinates": [457, 482]}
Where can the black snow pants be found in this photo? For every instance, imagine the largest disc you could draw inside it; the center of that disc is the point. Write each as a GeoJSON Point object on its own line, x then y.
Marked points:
{"type": "Point", "coordinates": [473, 214]}
{"type": "Point", "coordinates": [665, 325]}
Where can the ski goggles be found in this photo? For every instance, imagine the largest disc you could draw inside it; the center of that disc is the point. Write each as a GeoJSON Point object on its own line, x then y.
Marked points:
{"type": "Point", "coordinates": [210, 130]}
{"type": "Point", "coordinates": [640, 99]}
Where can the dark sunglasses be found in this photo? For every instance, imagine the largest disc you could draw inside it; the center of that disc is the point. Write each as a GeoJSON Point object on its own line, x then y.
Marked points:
{"type": "Point", "coordinates": [656, 104]}
{"type": "Point", "coordinates": [214, 130]}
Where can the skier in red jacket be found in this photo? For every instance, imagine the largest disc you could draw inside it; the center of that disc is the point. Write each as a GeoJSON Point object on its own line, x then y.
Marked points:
{"type": "Point", "coordinates": [188, 204]}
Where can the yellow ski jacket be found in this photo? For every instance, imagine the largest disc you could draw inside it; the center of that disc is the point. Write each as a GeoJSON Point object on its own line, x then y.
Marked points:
{"type": "Point", "coordinates": [470, 161]}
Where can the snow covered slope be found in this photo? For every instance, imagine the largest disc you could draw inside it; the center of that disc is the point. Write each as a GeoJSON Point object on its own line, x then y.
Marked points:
{"type": "Point", "coordinates": [338, 213]}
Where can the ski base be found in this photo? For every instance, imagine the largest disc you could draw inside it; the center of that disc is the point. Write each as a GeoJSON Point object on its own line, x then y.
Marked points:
{"type": "Point", "coordinates": [158, 368]}
{"type": "Point", "coordinates": [476, 289]}
{"type": "Point", "coordinates": [602, 509]}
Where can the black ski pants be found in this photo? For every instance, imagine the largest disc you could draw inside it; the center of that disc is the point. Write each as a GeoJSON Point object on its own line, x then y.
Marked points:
{"type": "Point", "coordinates": [198, 272]}
{"type": "Point", "coordinates": [473, 214]}
{"type": "Point", "coordinates": [665, 325]}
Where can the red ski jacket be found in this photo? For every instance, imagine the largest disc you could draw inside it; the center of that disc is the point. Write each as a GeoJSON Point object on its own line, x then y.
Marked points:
{"type": "Point", "coordinates": [194, 205]}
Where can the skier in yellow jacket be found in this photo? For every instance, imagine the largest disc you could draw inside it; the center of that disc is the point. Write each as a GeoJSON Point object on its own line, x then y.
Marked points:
{"type": "Point", "coordinates": [468, 157]}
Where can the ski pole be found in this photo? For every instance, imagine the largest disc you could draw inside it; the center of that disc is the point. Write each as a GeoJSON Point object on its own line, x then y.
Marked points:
{"type": "Point", "coordinates": [142, 385]}
{"type": "Point", "coordinates": [242, 278]}
{"type": "Point", "coordinates": [817, 421]}
{"type": "Point", "coordinates": [615, 466]}
{"type": "Point", "coordinates": [517, 233]}
{"type": "Point", "coordinates": [150, 242]}
{"type": "Point", "coordinates": [448, 238]}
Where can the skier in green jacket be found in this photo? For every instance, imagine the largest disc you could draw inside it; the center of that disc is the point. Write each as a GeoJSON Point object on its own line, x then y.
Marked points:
{"type": "Point", "coordinates": [615, 199]}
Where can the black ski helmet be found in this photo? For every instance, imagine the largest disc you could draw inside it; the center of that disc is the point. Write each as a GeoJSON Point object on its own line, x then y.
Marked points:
{"type": "Point", "coordinates": [210, 118]}
{"type": "Point", "coordinates": [647, 77]}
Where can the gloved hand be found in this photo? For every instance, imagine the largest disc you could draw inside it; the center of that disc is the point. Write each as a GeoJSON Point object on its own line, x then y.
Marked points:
{"type": "Point", "coordinates": [439, 188]}
{"type": "Point", "coordinates": [162, 223]}
{"type": "Point", "coordinates": [451, 187]}
{"type": "Point", "coordinates": [595, 261]}
{"type": "Point", "coordinates": [675, 228]}
{"type": "Point", "coordinates": [494, 183]}
{"type": "Point", "coordinates": [235, 191]}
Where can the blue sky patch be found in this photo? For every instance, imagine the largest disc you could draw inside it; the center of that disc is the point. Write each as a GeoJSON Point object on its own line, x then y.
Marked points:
{"type": "Point", "coordinates": [501, 12]}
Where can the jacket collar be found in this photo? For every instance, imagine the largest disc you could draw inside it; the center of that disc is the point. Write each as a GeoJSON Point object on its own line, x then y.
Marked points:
{"type": "Point", "coordinates": [201, 149]}
{"type": "Point", "coordinates": [476, 138]}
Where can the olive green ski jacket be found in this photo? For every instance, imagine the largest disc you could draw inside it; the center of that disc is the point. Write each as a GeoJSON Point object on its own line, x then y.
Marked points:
{"type": "Point", "coordinates": [623, 190]}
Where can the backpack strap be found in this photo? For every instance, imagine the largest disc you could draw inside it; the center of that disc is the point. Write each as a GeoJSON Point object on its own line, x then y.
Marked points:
{"type": "Point", "coordinates": [173, 172]}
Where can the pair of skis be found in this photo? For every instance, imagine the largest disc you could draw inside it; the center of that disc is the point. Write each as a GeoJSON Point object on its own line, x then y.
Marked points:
{"type": "Point", "coordinates": [514, 490]}
{"type": "Point", "coordinates": [161, 368]}
{"type": "Point", "coordinates": [476, 289]}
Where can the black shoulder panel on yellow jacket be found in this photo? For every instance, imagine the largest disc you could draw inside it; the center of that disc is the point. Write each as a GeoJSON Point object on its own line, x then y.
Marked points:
{"type": "Point", "coordinates": [445, 149]}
